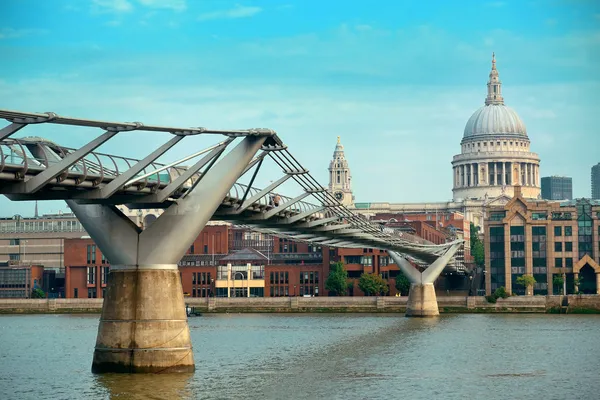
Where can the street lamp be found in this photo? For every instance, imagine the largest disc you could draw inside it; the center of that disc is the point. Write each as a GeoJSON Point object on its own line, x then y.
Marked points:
{"type": "Point", "coordinates": [471, 285]}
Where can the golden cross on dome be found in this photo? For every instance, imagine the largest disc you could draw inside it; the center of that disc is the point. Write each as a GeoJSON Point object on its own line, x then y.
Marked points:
{"type": "Point", "coordinates": [338, 139]}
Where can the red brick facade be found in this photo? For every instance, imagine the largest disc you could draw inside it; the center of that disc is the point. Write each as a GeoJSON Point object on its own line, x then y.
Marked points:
{"type": "Point", "coordinates": [290, 268]}
{"type": "Point", "coordinates": [86, 269]}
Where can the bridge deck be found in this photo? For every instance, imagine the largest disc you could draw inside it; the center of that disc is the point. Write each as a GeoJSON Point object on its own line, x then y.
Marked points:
{"type": "Point", "coordinates": [38, 169]}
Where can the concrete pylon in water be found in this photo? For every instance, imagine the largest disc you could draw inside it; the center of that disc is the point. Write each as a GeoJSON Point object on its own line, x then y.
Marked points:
{"type": "Point", "coordinates": [422, 301]}
{"type": "Point", "coordinates": [143, 327]}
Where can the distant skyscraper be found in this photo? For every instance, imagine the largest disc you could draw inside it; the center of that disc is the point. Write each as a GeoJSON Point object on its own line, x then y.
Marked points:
{"type": "Point", "coordinates": [557, 188]}
{"type": "Point", "coordinates": [596, 181]}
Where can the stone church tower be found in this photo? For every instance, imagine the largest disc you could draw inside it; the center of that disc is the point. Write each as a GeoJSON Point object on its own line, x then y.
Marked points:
{"type": "Point", "coordinates": [339, 176]}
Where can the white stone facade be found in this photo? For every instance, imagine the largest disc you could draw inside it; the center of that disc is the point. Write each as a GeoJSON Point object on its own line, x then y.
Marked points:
{"type": "Point", "coordinates": [495, 157]}
{"type": "Point", "coordinates": [340, 180]}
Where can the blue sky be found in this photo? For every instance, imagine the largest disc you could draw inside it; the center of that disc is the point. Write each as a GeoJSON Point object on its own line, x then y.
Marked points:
{"type": "Point", "coordinates": [397, 80]}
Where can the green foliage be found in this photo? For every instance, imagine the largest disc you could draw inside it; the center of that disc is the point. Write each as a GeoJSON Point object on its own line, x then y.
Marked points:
{"type": "Point", "coordinates": [498, 293]}
{"type": "Point", "coordinates": [337, 281]}
{"type": "Point", "coordinates": [402, 284]}
{"type": "Point", "coordinates": [501, 292]}
{"type": "Point", "coordinates": [372, 285]}
{"type": "Point", "coordinates": [558, 281]}
{"type": "Point", "coordinates": [526, 280]}
{"type": "Point", "coordinates": [477, 250]}
{"type": "Point", "coordinates": [491, 298]}
{"type": "Point", "coordinates": [38, 294]}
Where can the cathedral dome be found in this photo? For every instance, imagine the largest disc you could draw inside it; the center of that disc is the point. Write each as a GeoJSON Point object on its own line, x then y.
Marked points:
{"type": "Point", "coordinates": [495, 119]}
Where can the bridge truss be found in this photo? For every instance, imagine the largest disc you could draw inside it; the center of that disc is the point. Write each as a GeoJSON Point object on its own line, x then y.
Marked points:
{"type": "Point", "coordinates": [33, 168]}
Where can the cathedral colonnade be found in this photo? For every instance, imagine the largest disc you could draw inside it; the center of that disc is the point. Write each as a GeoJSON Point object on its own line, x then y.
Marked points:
{"type": "Point", "coordinates": [496, 173]}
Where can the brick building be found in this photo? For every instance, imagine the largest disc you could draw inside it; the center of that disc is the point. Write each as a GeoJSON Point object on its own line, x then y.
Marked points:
{"type": "Point", "coordinates": [544, 239]}
{"type": "Point", "coordinates": [18, 281]}
{"type": "Point", "coordinates": [86, 269]}
{"type": "Point", "coordinates": [229, 261]}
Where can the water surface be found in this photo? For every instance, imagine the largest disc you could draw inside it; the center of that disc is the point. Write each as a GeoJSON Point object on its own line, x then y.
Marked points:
{"type": "Point", "coordinates": [316, 356]}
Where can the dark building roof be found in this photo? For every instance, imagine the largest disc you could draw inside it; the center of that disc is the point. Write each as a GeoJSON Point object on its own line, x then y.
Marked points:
{"type": "Point", "coordinates": [246, 254]}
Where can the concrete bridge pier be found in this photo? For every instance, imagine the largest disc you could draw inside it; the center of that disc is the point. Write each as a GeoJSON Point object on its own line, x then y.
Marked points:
{"type": "Point", "coordinates": [422, 301]}
{"type": "Point", "coordinates": [143, 326]}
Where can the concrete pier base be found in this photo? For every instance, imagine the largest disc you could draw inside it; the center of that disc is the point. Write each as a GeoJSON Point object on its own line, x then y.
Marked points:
{"type": "Point", "coordinates": [143, 327]}
{"type": "Point", "coordinates": [422, 301]}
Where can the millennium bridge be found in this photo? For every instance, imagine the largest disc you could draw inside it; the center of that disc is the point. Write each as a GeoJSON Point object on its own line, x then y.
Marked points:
{"type": "Point", "coordinates": [143, 326]}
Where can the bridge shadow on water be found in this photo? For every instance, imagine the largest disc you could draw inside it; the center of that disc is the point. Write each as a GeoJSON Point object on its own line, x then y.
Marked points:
{"type": "Point", "coordinates": [350, 357]}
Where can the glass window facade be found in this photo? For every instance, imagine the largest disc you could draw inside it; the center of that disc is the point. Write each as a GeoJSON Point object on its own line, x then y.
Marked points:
{"type": "Point", "coordinates": [497, 258]}
{"type": "Point", "coordinates": [584, 226]}
{"type": "Point", "coordinates": [517, 255]}
{"type": "Point", "coordinates": [538, 252]}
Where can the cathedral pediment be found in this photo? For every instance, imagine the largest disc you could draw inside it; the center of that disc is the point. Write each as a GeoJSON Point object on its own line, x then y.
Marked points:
{"type": "Point", "coordinates": [501, 200]}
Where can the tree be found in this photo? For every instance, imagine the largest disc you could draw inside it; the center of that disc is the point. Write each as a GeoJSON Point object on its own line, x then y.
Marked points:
{"type": "Point", "coordinates": [526, 281]}
{"type": "Point", "coordinates": [558, 281]}
{"type": "Point", "coordinates": [577, 282]}
{"type": "Point", "coordinates": [372, 285]}
{"type": "Point", "coordinates": [402, 284]}
{"type": "Point", "coordinates": [38, 294]}
{"type": "Point", "coordinates": [477, 250]}
{"type": "Point", "coordinates": [337, 281]}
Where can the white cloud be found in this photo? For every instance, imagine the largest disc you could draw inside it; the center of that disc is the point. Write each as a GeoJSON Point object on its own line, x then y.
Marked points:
{"type": "Point", "coordinates": [175, 5]}
{"type": "Point", "coordinates": [111, 6]}
{"type": "Point", "coordinates": [10, 33]}
{"type": "Point", "coordinates": [386, 131]}
{"type": "Point", "coordinates": [363, 27]}
{"type": "Point", "coordinates": [237, 12]}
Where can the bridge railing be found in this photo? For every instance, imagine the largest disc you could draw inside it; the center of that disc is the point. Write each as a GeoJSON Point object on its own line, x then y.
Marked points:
{"type": "Point", "coordinates": [333, 222]}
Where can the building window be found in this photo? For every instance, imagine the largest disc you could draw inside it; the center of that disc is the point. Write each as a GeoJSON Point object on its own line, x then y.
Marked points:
{"type": "Point", "coordinates": [104, 260]}
{"type": "Point", "coordinates": [15, 242]}
{"type": "Point", "coordinates": [14, 257]}
{"type": "Point", "coordinates": [568, 246]}
{"type": "Point", "coordinates": [497, 216]}
{"type": "Point", "coordinates": [538, 234]}
{"type": "Point", "coordinates": [568, 231]}
{"type": "Point", "coordinates": [558, 231]}
{"type": "Point", "coordinates": [558, 246]}
{"type": "Point", "coordinates": [192, 249]}
{"type": "Point", "coordinates": [91, 274]}
{"type": "Point", "coordinates": [91, 253]}
{"type": "Point", "coordinates": [517, 253]}
{"type": "Point", "coordinates": [105, 272]}
{"type": "Point", "coordinates": [92, 293]}
{"type": "Point", "coordinates": [75, 293]}
{"type": "Point", "coordinates": [569, 262]}
{"type": "Point", "coordinates": [558, 262]}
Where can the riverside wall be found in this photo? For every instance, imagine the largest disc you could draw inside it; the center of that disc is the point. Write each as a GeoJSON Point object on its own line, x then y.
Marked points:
{"type": "Point", "coordinates": [447, 304]}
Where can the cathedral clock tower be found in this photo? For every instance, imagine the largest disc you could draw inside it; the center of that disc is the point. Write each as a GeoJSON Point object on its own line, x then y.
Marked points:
{"type": "Point", "coordinates": [339, 176]}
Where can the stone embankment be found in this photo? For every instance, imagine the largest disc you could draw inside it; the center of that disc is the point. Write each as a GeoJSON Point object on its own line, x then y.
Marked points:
{"type": "Point", "coordinates": [447, 304]}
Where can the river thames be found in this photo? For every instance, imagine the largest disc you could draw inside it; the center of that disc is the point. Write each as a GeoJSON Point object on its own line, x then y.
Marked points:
{"type": "Point", "coordinates": [320, 356]}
